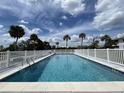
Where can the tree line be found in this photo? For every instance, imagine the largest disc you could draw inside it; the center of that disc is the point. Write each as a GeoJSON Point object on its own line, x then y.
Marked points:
{"type": "Point", "coordinates": [34, 43]}
{"type": "Point", "coordinates": [109, 42]}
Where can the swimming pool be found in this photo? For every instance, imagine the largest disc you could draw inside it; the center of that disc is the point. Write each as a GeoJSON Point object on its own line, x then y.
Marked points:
{"type": "Point", "coordinates": [65, 68]}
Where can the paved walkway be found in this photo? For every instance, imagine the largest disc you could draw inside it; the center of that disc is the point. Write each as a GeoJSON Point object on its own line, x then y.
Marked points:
{"type": "Point", "coordinates": [83, 87]}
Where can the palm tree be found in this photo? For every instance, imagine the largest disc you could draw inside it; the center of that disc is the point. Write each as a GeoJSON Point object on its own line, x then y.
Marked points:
{"type": "Point", "coordinates": [105, 38]}
{"type": "Point", "coordinates": [66, 38]}
{"type": "Point", "coordinates": [82, 36]}
{"type": "Point", "coordinates": [57, 44]}
{"type": "Point", "coordinates": [16, 32]}
{"type": "Point", "coordinates": [108, 41]}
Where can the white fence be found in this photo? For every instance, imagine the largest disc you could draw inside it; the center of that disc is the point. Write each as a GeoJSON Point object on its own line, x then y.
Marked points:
{"type": "Point", "coordinates": [108, 55]}
{"type": "Point", "coordinates": [64, 51]}
{"type": "Point", "coordinates": [17, 58]}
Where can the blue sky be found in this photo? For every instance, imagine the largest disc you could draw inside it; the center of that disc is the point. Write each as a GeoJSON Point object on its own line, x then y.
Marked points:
{"type": "Point", "coordinates": [52, 19]}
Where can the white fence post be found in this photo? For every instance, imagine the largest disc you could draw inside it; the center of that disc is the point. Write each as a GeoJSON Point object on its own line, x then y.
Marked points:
{"type": "Point", "coordinates": [87, 52]}
{"type": "Point", "coordinates": [34, 54]}
{"type": "Point", "coordinates": [8, 58]}
{"type": "Point", "coordinates": [108, 59]}
{"type": "Point", "coordinates": [54, 50]}
{"type": "Point", "coordinates": [83, 52]}
{"type": "Point", "coordinates": [95, 53]}
{"type": "Point", "coordinates": [25, 55]}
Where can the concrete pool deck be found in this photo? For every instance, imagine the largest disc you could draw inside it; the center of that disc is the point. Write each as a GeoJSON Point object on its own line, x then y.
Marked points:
{"type": "Point", "coordinates": [82, 87]}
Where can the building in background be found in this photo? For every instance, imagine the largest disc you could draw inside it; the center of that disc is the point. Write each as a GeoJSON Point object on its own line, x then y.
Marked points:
{"type": "Point", "coordinates": [120, 42]}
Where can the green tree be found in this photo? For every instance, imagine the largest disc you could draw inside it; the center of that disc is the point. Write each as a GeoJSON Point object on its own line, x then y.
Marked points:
{"type": "Point", "coordinates": [108, 41]}
{"type": "Point", "coordinates": [94, 44]}
{"type": "Point", "coordinates": [33, 41]}
{"type": "Point", "coordinates": [34, 37]}
{"type": "Point", "coordinates": [16, 32]}
{"type": "Point", "coordinates": [82, 36]}
{"type": "Point", "coordinates": [22, 45]}
{"type": "Point", "coordinates": [66, 38]}
{"type": "Point", "coordinates": [46, 45]}
{"type": "Point", "coordinates": [12, 47]}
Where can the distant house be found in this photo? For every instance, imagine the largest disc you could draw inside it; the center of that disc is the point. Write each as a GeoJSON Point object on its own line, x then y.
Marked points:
{"type": "Point", "coordinates": [120, 42]}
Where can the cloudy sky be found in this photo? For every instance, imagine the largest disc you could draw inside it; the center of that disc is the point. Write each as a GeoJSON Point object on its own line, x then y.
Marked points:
{"type": "Point", "coordinates": [52, 19]}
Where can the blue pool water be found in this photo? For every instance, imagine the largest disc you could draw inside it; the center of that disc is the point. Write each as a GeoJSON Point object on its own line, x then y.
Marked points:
{"type": "Point", "coordinates": [65, 68]}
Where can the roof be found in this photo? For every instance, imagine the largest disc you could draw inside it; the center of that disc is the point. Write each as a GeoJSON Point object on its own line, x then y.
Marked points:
{"type": "Point", "coordinates": [118, 38]}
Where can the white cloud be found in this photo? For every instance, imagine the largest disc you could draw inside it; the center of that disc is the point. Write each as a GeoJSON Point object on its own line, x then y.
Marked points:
{"type": "Point", "coordinates": [120, 35]}
{"type": "Point", "coordinates": [25, 8]}
{"type": "Point", "coordinates": [33, 8]}
{"type": "Point", "coordinates": [56, 39]}
{"type": "Point", "coordinates": [31, 31]}
{"type": "Point", "coordinates": [74, 30]}
{"type": "Point", "coordinates": [36, 30]}
{"type": "Point", "coordinates": [1, 26]}
{"type": "Point", "coordinates": [110, 14]}
{"type": "Point", "coordinates": [101, 35]}
{"type": "Point", "coordinates": [2, 29]}
{"type": "Point", "coordinates": [23, 22]}
{"type": "Point", "coordinates": [51, 30]}
{"type": "Point", "coordinates": [64, 17]}
{"type": "Point", "coordinates": [5, 39]}
{"type": "Point", "coordinates": [73, 7]}
{"type": "Point", "coordinates": [89, 37]}
{"type": "Point", "coordinates": [75, 38]}
{"type": "Point", "coordinates": [27, 2]}
{"type": "Point", "coordinates": [27, 30]}
{"type": "Point", "coordinates": [6, 35]}
{"type": "Point", "coordinates": [60, 24]}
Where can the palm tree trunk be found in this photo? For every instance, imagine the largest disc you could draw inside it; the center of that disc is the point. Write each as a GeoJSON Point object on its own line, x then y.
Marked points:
{"type": "Point", "coordinates": [81, 42]}
{"type": "Point", "coordinates": [16, 40]}
{"type": "Point", "coordinates": [16, 43]}
{"type": "Point", "coordinates": [56, 46]}
{"type": "Point", "coordinates": [66, 43]}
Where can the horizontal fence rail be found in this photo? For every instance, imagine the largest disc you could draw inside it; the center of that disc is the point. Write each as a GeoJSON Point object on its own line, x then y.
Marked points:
{"type": "Point", "coordinates": [19, 58]}
{"type": "Point", "coordinates": [108, 55]}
